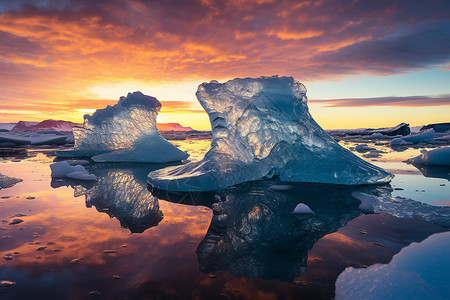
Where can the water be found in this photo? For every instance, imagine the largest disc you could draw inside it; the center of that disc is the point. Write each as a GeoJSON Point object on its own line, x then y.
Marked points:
{"type": "Point", "coordinates": [116, 239]}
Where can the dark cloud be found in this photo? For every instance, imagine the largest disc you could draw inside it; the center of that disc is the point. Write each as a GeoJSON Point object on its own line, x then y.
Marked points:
{"type": "Point", "coordinates": [411, 101]}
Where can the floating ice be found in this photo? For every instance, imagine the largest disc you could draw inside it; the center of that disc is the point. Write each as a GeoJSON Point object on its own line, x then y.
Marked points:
{"type": "Point", "coordinates": [280, 187]}
{"type": "Point", "coordinates": [419, 271]}
{"type": "Point", "coordinates": [63, 169]}
{"type": "Point", "coordinates": [400, 129]}
{"type": "Point", "coordinates": [369, 203]}
{"type": "Point", "coordinates": [17, 138]}
{"type": "Point", "coordinates": [303, 209]}
{"type": "Point", "coordinates": [424, 137]}
{"type": "Point", "coordinates": [436, 157]}
{"type": "Point", "coordinates": [125, 132]}
{"type": "Point", "coordinates": [262, 127]}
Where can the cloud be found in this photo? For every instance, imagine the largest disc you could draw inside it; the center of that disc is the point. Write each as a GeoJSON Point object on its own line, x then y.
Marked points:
{"type": "Point", "coordinates": [59, 49]}
{"type": "Point", "coordinates": [411, 101]}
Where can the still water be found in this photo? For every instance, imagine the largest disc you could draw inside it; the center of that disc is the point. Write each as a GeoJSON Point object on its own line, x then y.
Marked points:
{"type": "Point", "coordinates": [117, 239]}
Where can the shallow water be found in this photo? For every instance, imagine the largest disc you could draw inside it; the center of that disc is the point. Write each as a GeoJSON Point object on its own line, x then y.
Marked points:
{"type": "Point", "coordinates": [240, 243]}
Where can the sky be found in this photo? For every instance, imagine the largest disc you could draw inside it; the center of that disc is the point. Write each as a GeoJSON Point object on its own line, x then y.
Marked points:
{"type": "Point", "coordinates": [365, 63]}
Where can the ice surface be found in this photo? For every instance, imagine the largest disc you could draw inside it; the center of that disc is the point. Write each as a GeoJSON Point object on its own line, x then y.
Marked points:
{"type": "Point", "coordinates": [18, 138]}
{"type": "Point", "coordinates": [419, 271]}
{"type": "Point", "coordinates": [369, 203]}
{"type": "Point", "coordinates": [436, 157]}
{"type": "Point", "coordinates": [80, 175]}
{"type": "Point", "coordinates": [400, 129]}
{"type": "Point", "coordinates": [262, 127]}
{"type": "Point", "coordinates": [125, 132]}
{"type": "Point", "coordinates": [63, 169]}
{"type": "Point", "coordinates": [424, 137]}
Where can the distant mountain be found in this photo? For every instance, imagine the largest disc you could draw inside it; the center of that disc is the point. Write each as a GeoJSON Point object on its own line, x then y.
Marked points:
{"type": "Point", "coordinates": [172, 126]}
{"type": "Point", "coordinates": [58, 125]}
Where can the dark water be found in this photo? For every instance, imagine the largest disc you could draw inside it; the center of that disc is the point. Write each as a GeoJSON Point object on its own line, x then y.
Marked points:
{"type": "Point", "coordinates": [239, 243]}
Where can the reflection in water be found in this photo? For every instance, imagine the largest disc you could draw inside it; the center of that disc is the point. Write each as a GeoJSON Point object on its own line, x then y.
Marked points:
{"type": "Point", "coordinates": [254, 234]}
{"type": "Point", "coordinates": [434, 171]}
{"type": "Point", "coordinates": [121, 192]}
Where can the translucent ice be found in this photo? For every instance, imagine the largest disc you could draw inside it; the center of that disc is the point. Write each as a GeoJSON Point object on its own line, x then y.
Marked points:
{"type": "Point", "coordinates": [419, 271]}
{"type": "Point", "coordinates": [125, 132]}
{"type": "Point", "coordinates": [262, 128]}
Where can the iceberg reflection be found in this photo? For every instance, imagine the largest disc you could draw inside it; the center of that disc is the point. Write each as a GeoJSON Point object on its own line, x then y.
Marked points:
{"type": "Point", "coordinates": [121, 192]}
{"type": "Point", "coordinates": [253, 232]}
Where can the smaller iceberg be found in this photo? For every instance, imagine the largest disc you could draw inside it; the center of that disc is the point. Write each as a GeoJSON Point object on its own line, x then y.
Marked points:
{"type": "Point", "coordinates": [419, 271]}
{"type": "Point", "coordinates": [424, 137]}
{"type": "Point", "coordinates": [436, 157]}
{"type": "Point", "coordinates": [125, 132]}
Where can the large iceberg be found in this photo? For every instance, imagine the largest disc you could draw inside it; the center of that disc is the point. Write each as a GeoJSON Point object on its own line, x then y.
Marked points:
{"type": "Point", "coordinates": [125, 132]}
{"type": "Point", "coordinates": [262, 128]}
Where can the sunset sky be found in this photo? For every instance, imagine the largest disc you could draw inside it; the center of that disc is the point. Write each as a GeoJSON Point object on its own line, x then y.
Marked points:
{"type": "Point", "coordinates": [364, 63]}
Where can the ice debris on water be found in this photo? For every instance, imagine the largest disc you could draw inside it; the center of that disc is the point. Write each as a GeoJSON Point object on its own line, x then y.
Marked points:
{"type": "Point", "coordinates": [125, 132]}
{"type": "Point", "coordinates": [418, 271]}
{"type": "Point", "coordinates": [262, 128]}
{"type": "Point", "coordinates": [436, 157]}
{"type": "Point", "coordinates": [280, 187]}
{"type": "Point", "coordinates": [369, 203]}
{"type": "Point", "coordinates": [63, 169]}
{"type": "Point", "coordinates": [303, 209]}
{"type": "Point", "coordinates": [424, 137]}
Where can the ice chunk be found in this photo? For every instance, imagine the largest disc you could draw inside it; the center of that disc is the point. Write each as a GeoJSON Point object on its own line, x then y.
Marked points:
{"type": "Point", "coordinates": [79, 175]}
{"type": "Point", "coordinates": [125, 132]}
{"type": "Point", "coordinates": [436, 157]}
{"type": "Point", "coordinates": [262, 127]}
{"type": "Point", "coordinates": [63, 169]}
{"type": "Point", "coordinates": [369, 203]}
{"type": "Point", "coordinates": [280, 187]}
{"type": "Point", "coordinates": [16, 140]}
{"type": "Point", "coordinates": [419, 271]}
{"type": "Point", "coordinates": [424, 137]}
{"type": "Point", "coordinates": [303, 209]}
{"type": "Point", "coordinates": [363, 148]}
{"type": "Point", "coordinates": [400, 129]}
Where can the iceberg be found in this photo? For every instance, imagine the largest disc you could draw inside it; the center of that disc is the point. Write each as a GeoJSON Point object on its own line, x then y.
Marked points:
{"type": "Point", "coordinates": [262, 128]}
{"type": "Point", "coordinates": [125, 132]}
{"type": "Point", "coordinates": [436, 157]}
{"type": "Point", "coordinates": [419, 271]}
{"type": "Point", "coordinates": [423, 137]}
